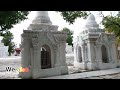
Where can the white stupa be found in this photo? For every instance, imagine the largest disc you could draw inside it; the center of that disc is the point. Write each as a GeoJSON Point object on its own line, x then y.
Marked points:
{"type": "Point", "coordinates": [91, 26]}
{"type": "Point", "coordinates": [94, 49]}
{"type": "Point", "coordinates": [42, 17]}
{"type": "Point", "coordinates": [43, 49]}
{"type": "Point", "coordinates": [3, 49]}
{"type": "Point", "coordinates": [91, 22]}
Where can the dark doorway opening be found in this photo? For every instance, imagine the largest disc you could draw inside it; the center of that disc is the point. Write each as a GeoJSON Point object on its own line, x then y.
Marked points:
{"type": "Point", "coordinates": [45, 57]}
{"type": "Point", "coordinates": [104, 54]}
{"type": "Point", "coordinates": [79, 55]}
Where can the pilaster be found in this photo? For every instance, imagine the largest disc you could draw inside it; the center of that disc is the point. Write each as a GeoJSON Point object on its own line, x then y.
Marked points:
{"type": "Point", "coordinates": [36, 54]}
{"type": "Point", "coordinates": [25, 51]}
{"type": "Point", "coordinates": [91, 55]}
{"type": "Point", "coordinates": [83, 56]}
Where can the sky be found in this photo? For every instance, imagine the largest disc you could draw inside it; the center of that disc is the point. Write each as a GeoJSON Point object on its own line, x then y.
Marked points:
{"type": "Point", "coordinates": [56, 19]}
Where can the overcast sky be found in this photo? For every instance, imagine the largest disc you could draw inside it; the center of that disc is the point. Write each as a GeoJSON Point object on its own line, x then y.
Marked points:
{"type": "Point", "coordinates": [56, 20]}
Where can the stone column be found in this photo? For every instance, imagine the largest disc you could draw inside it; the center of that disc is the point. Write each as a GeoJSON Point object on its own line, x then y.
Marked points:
{"type": "Point", "coordinates": [114, 55]}
{"type": "Point", "coordinates": [63, 57]}
{"type": "Point", "coordinates": [36, 53]}
{"type": "Point", "coordinates": [90, 50]}
{"type": "Point", "coordinates": [110, 57]}
{"type": "Point", "coordinates": [35, 58]}
{"type": "Point", "coordinates": [97, 60]}
{"type": "Point", "coordinates": [77, 53]}
{"type": "Point", "coordinates": [56, 56]}
{"type": "Point", "coordinates": [91, 54]}
{"type": "Point", "coordinates": [31, 58]}
{"type": "Point", "coordinates": [83, 56]}
{"type": "Point", "coordinates": [101, 63]}
{"type": "Point", "coordinates": [86, 56]}
{"type": "Point", "coordinates": [83, 52]}
{"type": "Point", "coordinates": [36, 62]}
{"type": "Point", "coordinates": [64, 68]}
{"type": "Point", "coordinates": [75, 50]}
{"type": "Point", "coordinates": [25, 54]}
{"type": "Point", "coordinates": [25, 62]}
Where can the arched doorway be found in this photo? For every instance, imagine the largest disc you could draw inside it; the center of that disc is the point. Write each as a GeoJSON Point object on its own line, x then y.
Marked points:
{"type": "Point", "coordinates": [79, 54]}
{"type": "Point", "coordinates": [45, 57]}
{"type": "Point", "coordinates": [104, 54]}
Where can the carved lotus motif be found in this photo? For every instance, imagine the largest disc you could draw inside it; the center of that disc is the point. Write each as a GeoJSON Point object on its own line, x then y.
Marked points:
{"type": "Point", "coordinates": [34, 41]}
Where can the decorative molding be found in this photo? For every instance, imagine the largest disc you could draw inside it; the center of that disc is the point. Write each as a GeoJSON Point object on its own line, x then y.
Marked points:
{"type": "Point", "coordinates": [35, 40]}
{"type": "Point", "coordinates": [42, 19]}
{"type": "Point", "coordinates": [51, 37]}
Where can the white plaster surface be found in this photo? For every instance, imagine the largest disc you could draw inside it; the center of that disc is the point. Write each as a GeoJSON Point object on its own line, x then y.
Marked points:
{"type": "Point", "coordinates": [15, 61]}
{"type": "Point", "coordinates": [11, 61]}
{"type": "Point", "coordinates": [86, 74]}
{"type": "Point", "coordinates": [3, 49]}
{"type": "Point", "coordinates": [91, 40]}
{"type": "Point", "coordinates": [32, 43]}
{"type": "Point", "coordinates": [68, 48]}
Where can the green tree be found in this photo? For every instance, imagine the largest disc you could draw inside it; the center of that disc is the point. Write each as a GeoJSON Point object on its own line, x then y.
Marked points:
{"type": "Point", "coordinates": [7, 40]}
{"type": "Point", "coordinates": [10, 18]}
{"type": "Point", "coordinates": [69, 39]}
{"type": "Point", "coordinates": [112, 25]}
{"type": "Point", "coordinates": [71, 16]}
{"type": "Point", "coordinates": [7, 20]}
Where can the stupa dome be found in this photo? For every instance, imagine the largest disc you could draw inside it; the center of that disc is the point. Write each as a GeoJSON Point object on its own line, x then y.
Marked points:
{"type": "Point", "coordinates": [42, 22]}
{"type": "Point", "coordinates": [42, 17]}
{"type": "Point", "coordinates": [91, 22]}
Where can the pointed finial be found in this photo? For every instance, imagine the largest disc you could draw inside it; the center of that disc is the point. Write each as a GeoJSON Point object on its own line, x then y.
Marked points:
{"type": "Point", "coordinates": [91, 22]}
{"type": "Point", "coordinates": [42, 17]}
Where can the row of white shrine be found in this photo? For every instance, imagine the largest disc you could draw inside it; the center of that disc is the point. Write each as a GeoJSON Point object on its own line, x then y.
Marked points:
{"type": "Point", "coordinates": [43, 48]}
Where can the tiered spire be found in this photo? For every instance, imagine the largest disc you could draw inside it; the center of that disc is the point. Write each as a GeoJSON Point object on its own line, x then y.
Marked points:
{"type": "Point", "coordinates": [91, 22]}
{"type": "Point", "coordinates": [42, 17]}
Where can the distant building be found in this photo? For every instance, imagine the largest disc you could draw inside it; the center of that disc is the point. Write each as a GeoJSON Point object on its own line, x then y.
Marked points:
{"type": "Point", "coordinates": [3, 49]}
{"type": "Point", "coordinates": [17, 51]}
{"type": "Point", "coordinates": [69, 48]}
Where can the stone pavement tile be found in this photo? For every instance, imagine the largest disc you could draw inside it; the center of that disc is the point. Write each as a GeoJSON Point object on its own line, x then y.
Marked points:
{"type": "Point", "coordinates": [112, 76]}
{"type": "Point", "coordinates": [9, 75]}
{"type": "Point", "coordinates": [88, 74]}
{"type": "Point", "coordinates": [116, 74]}
{"type": "Point", "coordinates": [93, 78]}
{"type": "Point", "coordinates": [116, 77]}
{"type": "Point", "coordinates": [72, 70]}
{"type": "Point", "coordinates": [107, 76]}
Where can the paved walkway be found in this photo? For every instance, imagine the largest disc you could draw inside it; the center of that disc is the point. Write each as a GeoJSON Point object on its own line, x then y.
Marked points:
{"type": "Point", "coordinates": [86, 74]}
{"type": "Point", "coordinates": [10, 57]}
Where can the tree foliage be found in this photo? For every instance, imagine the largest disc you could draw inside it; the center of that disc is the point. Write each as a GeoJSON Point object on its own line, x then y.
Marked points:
{"type": "Point", "coordinates": [69, 39]}
{"type": "Point", "coordinates": [7, 40]}
{"type": "Point", "coordinates": [70, 16]}
{"type": "Point", "coordinates": [10, 18]}
{"type": "Point", "coordinates": [112, 25]}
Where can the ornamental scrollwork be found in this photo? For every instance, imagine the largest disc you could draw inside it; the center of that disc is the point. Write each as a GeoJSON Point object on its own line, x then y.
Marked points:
{"type": "Point", "coordinates": [35, 40]}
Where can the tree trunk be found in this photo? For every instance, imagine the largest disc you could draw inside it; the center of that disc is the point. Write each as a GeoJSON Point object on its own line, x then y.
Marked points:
{"type": "Point", "coordinates": [9, 53]}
